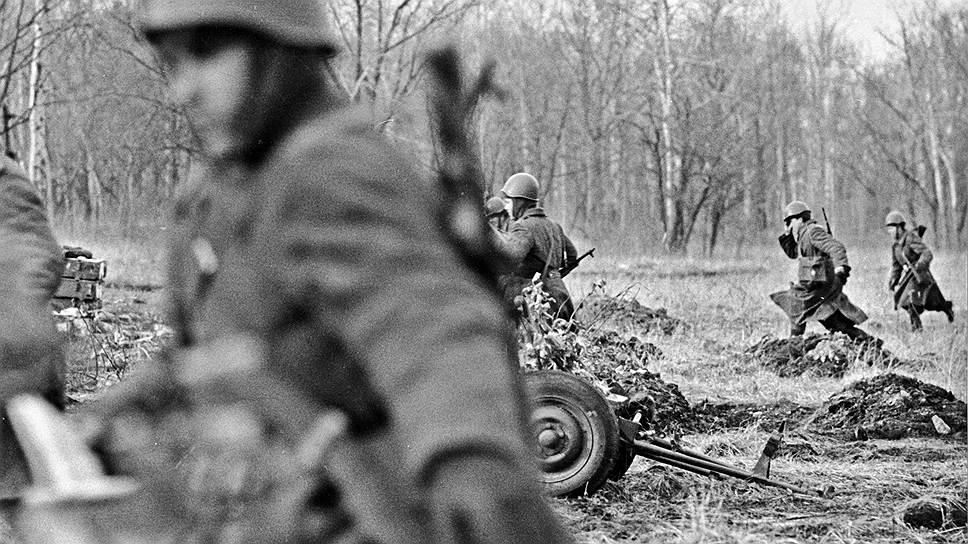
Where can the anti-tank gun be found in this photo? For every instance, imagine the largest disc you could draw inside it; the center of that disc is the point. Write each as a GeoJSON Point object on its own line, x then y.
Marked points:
{"type": "Point", "coordinates": [580, 443]}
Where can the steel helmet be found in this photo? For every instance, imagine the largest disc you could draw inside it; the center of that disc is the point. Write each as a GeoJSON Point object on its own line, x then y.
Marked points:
{"type": "Point", "coordinates": [521, 185]}
{"type": "Point", "coordinates": [893, 218]}
{"type": "Point", "coordinates": [300, 23]}
{"type": "Point", "coordinates": [794, 209]}
{"type": "Point", "coordinates": [494, 206]}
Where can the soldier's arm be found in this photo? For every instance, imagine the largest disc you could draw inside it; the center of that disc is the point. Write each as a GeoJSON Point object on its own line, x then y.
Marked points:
{"type": "Point", "coordinates": [571, 253]}
{"type": "Point", "coordinates": [29, 255]}
{"type": "Point", "coordinates": [896, 270]}
{"type": "Point", "coordinates": [32, 264]}
{"type": "Point", "coordinates": [516, 242]}
{"type": "Point", "coordinates": [921, 250]}
{"type": "Point", "coordinates": [789, 244]}
{"type": "Point", "coordinates": [828, 244]}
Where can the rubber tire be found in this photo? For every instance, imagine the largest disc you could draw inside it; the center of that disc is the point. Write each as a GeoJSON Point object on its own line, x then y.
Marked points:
{"type": "Point", "coordinates": [623, 462]}
{"type": "Point", "coordinates": [560, 397]}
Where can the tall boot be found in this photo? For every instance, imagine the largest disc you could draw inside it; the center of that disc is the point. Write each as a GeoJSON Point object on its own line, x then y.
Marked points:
{"type": "Point", "coordinates": [949, 311]}
{"type": "Point", "coordinates": [915, 320]}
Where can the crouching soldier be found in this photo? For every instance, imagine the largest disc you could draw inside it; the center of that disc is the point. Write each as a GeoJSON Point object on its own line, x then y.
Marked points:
{"type": "Point", "coordinates": [310, 274]}
{"type": "Point", "coordinates": [818, 294]}
{"type": "Point", "coordinates": [31, 360]}
{"type": "Point", "coordinates": [535, 245]}
{"type": "Point", "coordinates": [911, 281]}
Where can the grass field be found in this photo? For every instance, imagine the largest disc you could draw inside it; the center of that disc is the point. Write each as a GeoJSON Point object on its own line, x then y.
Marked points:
{"type": "Point", "coordinates": [726, 305]}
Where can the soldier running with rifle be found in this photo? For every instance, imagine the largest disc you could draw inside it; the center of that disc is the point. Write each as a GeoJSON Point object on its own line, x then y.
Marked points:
{"type": "Point", "coordinates": [914, 287]}
{"type": "Point", "coordinates": [823, 271]}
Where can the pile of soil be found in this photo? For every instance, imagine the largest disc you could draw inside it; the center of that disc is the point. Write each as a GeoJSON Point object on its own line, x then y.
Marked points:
{"type": "Point", "coordinates": [823, 355]}
{"type": "Point", "coordinates": [890, 406]}
{"type": "Point", "coordinates": [618, 363]}
{"type": "Point", "coordinates": [714, 417]}
{"type": "Point", "coordinates": [626, 314]}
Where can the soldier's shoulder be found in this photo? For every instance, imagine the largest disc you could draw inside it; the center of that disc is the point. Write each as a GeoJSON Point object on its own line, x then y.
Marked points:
{"type": "Point", "coordinates": [345, 147]}
{"type": "Point", "coordinates": [911, 237]}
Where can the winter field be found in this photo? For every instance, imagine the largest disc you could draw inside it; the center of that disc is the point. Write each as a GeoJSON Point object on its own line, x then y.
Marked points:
{"type": "Point", "coordinates": [725, 304]}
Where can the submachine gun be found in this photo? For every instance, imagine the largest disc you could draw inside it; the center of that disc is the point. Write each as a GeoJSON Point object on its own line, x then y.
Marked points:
{"type": "Point", "coordinates": [581, 443]}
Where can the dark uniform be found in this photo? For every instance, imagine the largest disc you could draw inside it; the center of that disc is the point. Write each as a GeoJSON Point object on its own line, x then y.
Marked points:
{"type": "Point", "coordinates": [322, 245]}
{"type": "Point", "coordinates": [823, 299]}
{"type": "Point", "coordinates": [538, 245]}
{"type": "Point", "coordinates": [30, 356]}
{"type": "Point", "coordinates": [920, 291]}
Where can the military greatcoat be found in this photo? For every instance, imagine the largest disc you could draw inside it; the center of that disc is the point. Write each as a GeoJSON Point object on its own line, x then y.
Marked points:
{"type": "Point", "coordinates": [330, 253]}
{"type": "Point", "coordinates": [921, 291]}
{"type": "Point", "coordinates": [32, 263]}
{"type": "Point", "coordinates": [816, 300]}
{"type": "Point", "coordinates": [538, 245]}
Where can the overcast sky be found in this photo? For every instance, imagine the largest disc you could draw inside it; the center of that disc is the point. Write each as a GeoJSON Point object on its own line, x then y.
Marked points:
{"type": "Point", "coordinates": [861, 19]}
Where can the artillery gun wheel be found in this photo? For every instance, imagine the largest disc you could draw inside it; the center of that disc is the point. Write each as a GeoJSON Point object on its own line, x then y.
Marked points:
{"type": "Point", "coordinates": [575, 433]}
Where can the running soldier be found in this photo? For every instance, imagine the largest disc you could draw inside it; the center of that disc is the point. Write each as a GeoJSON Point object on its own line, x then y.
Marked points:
{"type": "Point", "coordinates": [308, 244]}
{"type": "Point", "coordinates": [31, 360]}
{"type": "Point", "coordinates": [914, 287]}
{"type": "Point", "coordinates": [823, 272]}
{"type": "Point", "coordinates": [535, 245]}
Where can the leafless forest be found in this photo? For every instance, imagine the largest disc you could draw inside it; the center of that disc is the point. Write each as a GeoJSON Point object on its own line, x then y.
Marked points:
{"type": "Point", "coordinates": [672, 125]}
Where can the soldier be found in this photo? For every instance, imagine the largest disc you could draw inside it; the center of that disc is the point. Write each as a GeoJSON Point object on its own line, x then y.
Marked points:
{"type": "Point", "coordinates": [823, 272]}
{"type": "Point", "coordinates": [30, 355]}
{"type": "Point", "coordinates": [535, 245]}
{"type": "Point", "coordinates": [496, 214]}
{"type": "Point", "coordinates": [311, 242]}
{"type": "Point", "coordinates": [917, 289]}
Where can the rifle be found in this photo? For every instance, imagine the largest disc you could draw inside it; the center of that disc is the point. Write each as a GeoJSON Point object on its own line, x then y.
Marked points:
{"type": "Point", "coordinates": [825, 220]}
{"type": "Point", "coordinates": [459, 172]}
{"type": "Point", "coordinates": [568, 267]}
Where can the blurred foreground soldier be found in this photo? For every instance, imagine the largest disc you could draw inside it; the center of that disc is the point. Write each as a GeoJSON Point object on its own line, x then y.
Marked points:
{"type": "Point", "coordinates": [309, 276]}
{"type": "Point", "coordinates": [911, 281]}
{"type": "Point", "coordinates": [535, 245]}
{"type": "Point", "coordinates": [30, 357]}
{"type": "Point", "coordinates": [497, 216]}
{"type": "Point", "coordinates": [823, 272]}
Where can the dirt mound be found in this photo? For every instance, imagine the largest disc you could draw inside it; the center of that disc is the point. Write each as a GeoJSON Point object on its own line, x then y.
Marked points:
{"type": "Point", "coordinates": [618, 364]}
{"type": "Point", "coordinates": [830, 354]}
{"type": "Point", "coordinates": [626, 314]}
{"type": "Point", "coordinates": [764, 417]}
{"type": "Point", "coordinates": [890, 406]}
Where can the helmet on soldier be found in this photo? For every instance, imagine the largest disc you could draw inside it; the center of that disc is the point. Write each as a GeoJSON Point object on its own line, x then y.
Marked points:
{"type": "Point", "coordinates": [894, 218]}
{"type": "Point", "coordinates": [494, 206]}
{"type": "Point", "coordinates": [299, 23]}
{"type": "Point", "coordinates": [794, 209]}
{"type": "Point", "coordinates": [521, 185]}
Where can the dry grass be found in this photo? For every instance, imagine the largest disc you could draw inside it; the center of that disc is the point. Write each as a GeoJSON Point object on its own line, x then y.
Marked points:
{"type": "Point", "coordinates": [726, 303]}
